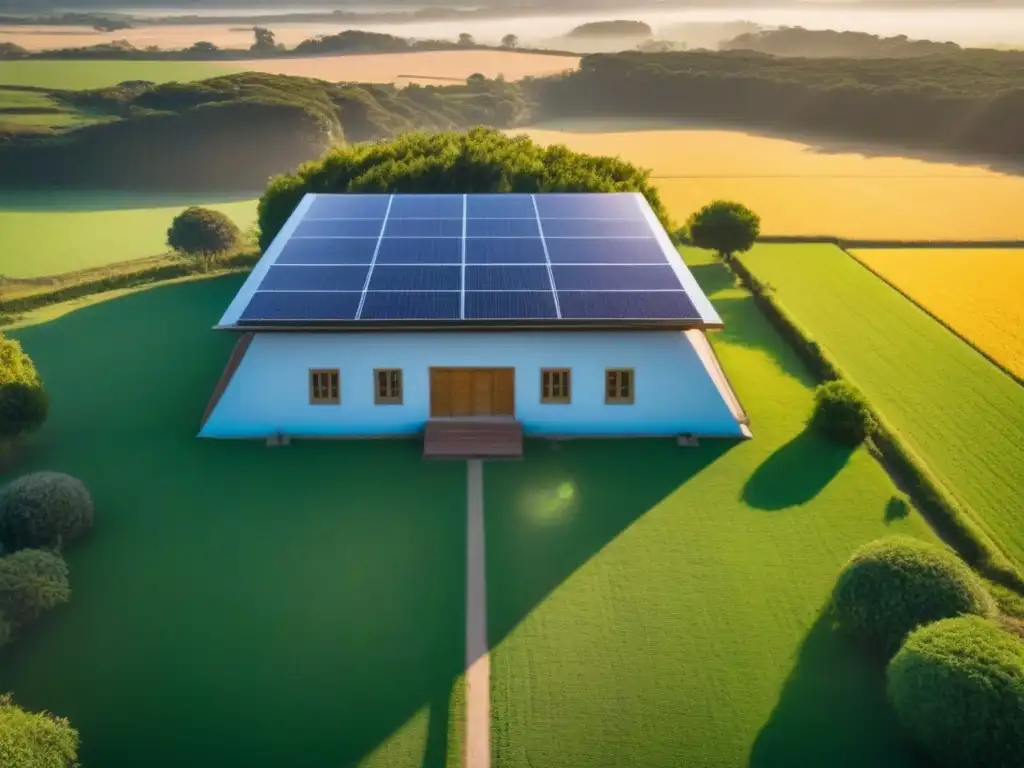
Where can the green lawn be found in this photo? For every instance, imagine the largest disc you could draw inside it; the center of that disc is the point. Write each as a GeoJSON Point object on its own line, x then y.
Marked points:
{"type": "Point", "coordinates": [652, 605]}
{"type": "Point", "coordinates": [45, 233]}
{"type": "Point", "coordinates": [80, 75]}
{"type": "Point", "coordinates": [236, 605]}
{"type": "Point", "coordinates": [960, 413]}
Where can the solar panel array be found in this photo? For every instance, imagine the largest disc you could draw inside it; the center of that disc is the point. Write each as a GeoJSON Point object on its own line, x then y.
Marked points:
{"type": "Point", "coordinates": [496, 257]}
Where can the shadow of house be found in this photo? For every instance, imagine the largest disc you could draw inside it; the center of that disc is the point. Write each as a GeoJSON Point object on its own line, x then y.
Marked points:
{"type": "Point", "coordinates": [833, 682]}
{"type": "Point", "coordinates": [796, 472]}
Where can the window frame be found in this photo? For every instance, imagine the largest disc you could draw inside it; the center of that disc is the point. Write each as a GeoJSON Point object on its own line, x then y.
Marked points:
{"type": "Point", "coordinates": [618, 399]}
{"type": "Point", "coordinates": [566, 399]}
{"type": "Point", "coordinates": [329, 373]}
{"type": "Point", "coordinates": [378, 398]}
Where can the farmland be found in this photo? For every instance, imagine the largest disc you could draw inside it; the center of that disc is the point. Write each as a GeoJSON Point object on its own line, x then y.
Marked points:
{"type": "Point", "coordinates": [807, 187]}
{"type": "Point", "coordinates": [961, 414]}
{"type": "Point", "coordinates": [49, 233]}
{"type": "Point", "coordinates": [714, 652]}
{"type": "Point", "coordinates": [81, 75]}
{"type": "Point", "coordinates": [975, 292]}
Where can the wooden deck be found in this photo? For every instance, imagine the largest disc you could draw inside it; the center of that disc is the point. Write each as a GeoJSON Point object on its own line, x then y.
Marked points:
{"type": "Point", "coordinates": [483, 438]}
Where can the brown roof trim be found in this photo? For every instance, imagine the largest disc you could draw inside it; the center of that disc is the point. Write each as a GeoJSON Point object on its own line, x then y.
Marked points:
{"type": "Point", "coordinates": [241, 347]}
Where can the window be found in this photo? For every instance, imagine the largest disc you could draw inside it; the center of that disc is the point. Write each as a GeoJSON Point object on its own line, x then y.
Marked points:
{"type": "Point", "coordinates": [324, 386]}
{"type": "Point", "coordinates": [618, 386]}
{"type": "Point", "coordinates": [387, 386]}
{"type": "Point", "coordinates": [555, 385]}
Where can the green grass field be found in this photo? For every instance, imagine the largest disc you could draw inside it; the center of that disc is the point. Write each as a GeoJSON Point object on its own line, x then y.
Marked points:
{"type": "Point", "coordinates": [81, 75]}
{"type": "Point", "coordinates": [960, 413]}
{"type": "Point", "coordinates": [648, 604]}
{"type": "Point", "coordinates": [46, 233]}
{"type": "Point", "coordinates": [236, 606]}
{"type": "Point", "coordinates": [658, 606]}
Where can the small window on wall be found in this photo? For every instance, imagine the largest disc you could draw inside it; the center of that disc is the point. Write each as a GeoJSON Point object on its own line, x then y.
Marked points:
{"type": "Point", "coordinates": [324, 386]}
{"type": "Point", "coordinates": [387, 384]}
{"type": "Point", "coordinates": [618, 386]}
{"type": "Point", "coordinates": [555, 385]}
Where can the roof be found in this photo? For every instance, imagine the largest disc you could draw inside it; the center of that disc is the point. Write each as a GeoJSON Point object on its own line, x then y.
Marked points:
{"type": "Point", "coordinates": [490, 261]}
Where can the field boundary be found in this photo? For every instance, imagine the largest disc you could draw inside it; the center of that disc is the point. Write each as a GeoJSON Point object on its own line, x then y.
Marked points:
{"type": "Point", "coordinates": [950, 520]}
{"type": "Point", "coordinates": [936, 318]}
{"type": "Point", "coordinates": [846, 242]}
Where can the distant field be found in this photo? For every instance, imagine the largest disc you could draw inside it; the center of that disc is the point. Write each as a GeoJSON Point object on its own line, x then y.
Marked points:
{"type": "Point", "coordinates": [977, 292]}
{"type": "Point", "coordinates": [54, 232]}
{"type": "Point", "coordinates": [79, 75]}
{"type": "Point", "coordinates": [419, 66]}
{"type": "Point", "coordinates": [800, 189]}
{"type": "Point", "coordinates": [960, 413]}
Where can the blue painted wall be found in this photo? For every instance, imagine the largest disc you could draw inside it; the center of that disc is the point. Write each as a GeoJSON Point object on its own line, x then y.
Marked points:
{"type": "Point", "coordinates": [269, 392]}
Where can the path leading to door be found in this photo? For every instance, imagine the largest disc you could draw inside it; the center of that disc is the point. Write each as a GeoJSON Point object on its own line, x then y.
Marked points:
{"type": "Point", "coordinates": [478, 663]}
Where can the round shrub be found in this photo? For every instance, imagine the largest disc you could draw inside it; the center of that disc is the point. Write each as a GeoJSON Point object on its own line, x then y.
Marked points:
{"type": "Point", "coordinates": [958, 687]}
{"type": "Point", "coordinates": [35, 739]}
{"type": "Point", "coordinates": [32, 582]}
{"type": "Point", "coordinates": [23, 402]}
{"type": "Point", "coordinates": [841, 413]}
{"type": "Point", "coordinates": [725, 227]}
{"type": "Point", "coordinates": [197, 231]}
{"type": "Point", "coordinates": [44, 509]}
{"type": "Point", "coordinates": [892, 586]}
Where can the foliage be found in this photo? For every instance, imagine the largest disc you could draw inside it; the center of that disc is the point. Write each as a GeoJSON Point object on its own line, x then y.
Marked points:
{"type": "Point", "coordinates": [200, 231]}
{"type": "Point", "coordinates": [35, 740]}
{"type": "Point", "coordinates": [725, 227]}
{"type": "Point", "coordinates": [482, 160]}
{"type": "Point", "coordinates": [841, 413]}
{"type": "Point", "coordinates": [615, 28]}
{"type": "Point", "coordinates": [894, 585]}
{"type": "Point", "coordinates": [5, 631]}
{"type": "Point", "coordinates": [32, 581]}
{"type": "Point", "coordinates": [466, 39]}
{"type": "Point", "coordinates": [12, 51]}
{"type": "Point", "coordinates": [510, 41]}
{"type": "Point", "coordinates": [796, 41]}
{"type": "Point", "coordinates": [354, 41]}
{"type": "Point", "coordinates": [23, 401]}
{"type": "Point", "coordinates": [958, 687]}
{"type": "Point", "coordinates": [44, 510]}
{"type": "Point", "coordinates": [264, 42]}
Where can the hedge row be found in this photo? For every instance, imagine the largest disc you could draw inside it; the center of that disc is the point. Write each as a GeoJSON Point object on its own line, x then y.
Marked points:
{"type": "Point", "coordinates": [946, 516]}
{"type": "Point", "coordinates": [245, 259]}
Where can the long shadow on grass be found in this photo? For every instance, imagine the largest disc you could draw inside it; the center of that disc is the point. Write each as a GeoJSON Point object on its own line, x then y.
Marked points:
{"type": "Point", "coordinates": [796, 472]}
{"type": "Point", "coordinates": [833, 712]}
{"type": "Point", "coordinates": [547, 516]}
{"type": "Point", "coordinates": [235, 605]}
{"type": "Point", "coordinates": [713, 277]}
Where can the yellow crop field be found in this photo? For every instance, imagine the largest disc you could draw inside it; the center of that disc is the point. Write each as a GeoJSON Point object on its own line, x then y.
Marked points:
{"type": "Point", "coordinates": [806, 187]}
{"type": "Point", "coordinates": [976, 292]}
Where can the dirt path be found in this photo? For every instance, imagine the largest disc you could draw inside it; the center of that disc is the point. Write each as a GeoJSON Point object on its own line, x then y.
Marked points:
{"type": "Point", "coordinates": [478, 663]}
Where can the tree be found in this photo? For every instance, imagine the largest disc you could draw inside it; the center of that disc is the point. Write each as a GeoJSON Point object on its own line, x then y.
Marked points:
{"type": "Point", "coordinates": [894, 585]}
{"type": "Point", "coordinates": [44, 510]}
{"type": "Point", "coordinates": [480, 160]}
{"type": "Point", "coordinates": [265, 41]}
{"type": "Point", "coordinates": [32, 581]}
{"type": "Point", "coordinates": [23, 401]}
{"type": "Point", "coordinates": [466, 39]}
{"type": "Point", "coordinates": [204, 47]}
{"type": "Point", "coordinates": [510, 41]}
{"type": "Point", "coordinates": [202, 233]}
{"type": "Point", "coordinates": [35, 739]}
{"type": "Point", "coordinates": [958, 687]}
{"type": "Point", "coordinates": [725, 227]}
{"type": "Point", "coordinates": [842, 414]}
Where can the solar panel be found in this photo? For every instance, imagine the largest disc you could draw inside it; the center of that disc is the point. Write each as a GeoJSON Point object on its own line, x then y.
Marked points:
{"type": "Point", "coordinates": [585, 259]}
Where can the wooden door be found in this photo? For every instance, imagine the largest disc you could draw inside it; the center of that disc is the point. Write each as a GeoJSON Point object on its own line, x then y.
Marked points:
{"type": "Point", "coordinates": [460, 392]}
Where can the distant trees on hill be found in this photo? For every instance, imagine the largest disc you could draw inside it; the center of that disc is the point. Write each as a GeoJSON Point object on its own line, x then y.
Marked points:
{"type": "Point", "coordinates": [617, 28]}
{"type": "Point", "coordinates": [817, 43]}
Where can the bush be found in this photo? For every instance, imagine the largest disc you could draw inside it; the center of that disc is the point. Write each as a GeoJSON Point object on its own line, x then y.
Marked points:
{"type": "Point", "coordinates": [481, 160]}
{"type": "Point", "coordinates": [724, 227]}
{"type": "Point", "coordinates": [5, 631]}
{"type": "Point", "coordinates": [958, 687]}
{"type": "Point", "coordinates": [32, 582]}
{"type": "Point", "coordinates": [23, 402]}
{"type": "Point", "coordinates": [35, 740]}
{"type": "Point", "coordinates": [44, 510]}
{"type": "Point", "coordinates": [200, 231]}
{"type": "Point", "coordinates": [842, 414]}
{"type": "Point", "coordinates": [892, 586]}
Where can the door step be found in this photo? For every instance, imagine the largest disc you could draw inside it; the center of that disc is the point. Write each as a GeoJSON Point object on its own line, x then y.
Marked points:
{"type": "Point", "coordinates": [473, 439]}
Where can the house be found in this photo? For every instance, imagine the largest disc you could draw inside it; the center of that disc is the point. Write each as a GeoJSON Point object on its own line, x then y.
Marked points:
{"type": "Point", "coordinates": [472, 319]}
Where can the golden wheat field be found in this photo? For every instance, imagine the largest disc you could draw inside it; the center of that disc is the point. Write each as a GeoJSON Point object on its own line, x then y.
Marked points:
{"type": "Point", "coordinates": [167, 36]}
{"type": "Point", "coordinates": [800, 188]}
{"type": "Point", "coordinates": [974, 291]}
